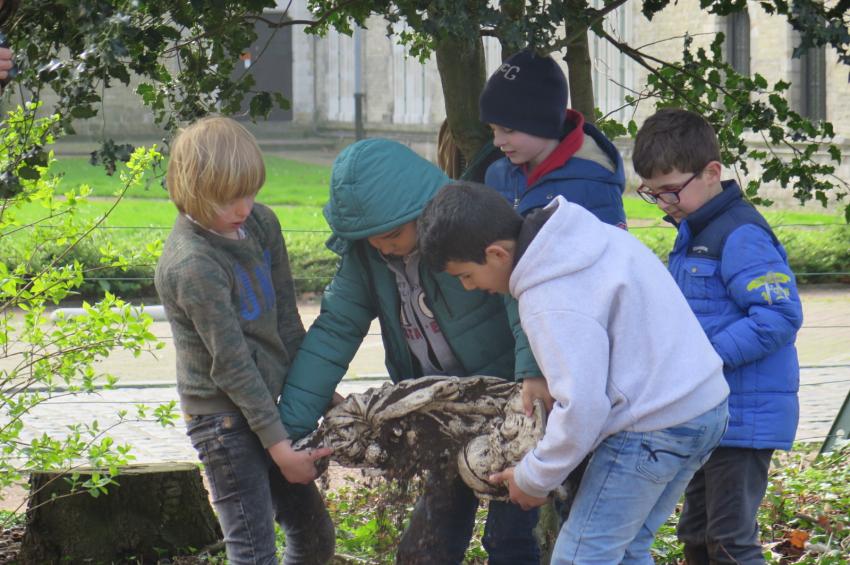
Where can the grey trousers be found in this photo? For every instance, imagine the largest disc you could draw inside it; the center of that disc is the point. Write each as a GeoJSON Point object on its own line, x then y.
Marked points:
{"type": "Point", "coordinates": [250, 494]}
{"type": "Point", "coordinates": [719, 523]}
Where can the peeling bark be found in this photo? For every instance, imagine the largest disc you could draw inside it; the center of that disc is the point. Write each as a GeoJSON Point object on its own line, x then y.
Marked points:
{"type": "Point", "coordinates": [433, 424]}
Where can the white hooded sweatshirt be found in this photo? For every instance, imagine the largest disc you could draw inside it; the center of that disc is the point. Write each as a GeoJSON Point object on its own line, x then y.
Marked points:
{"type": "Point", "coordinates": [619, 346]}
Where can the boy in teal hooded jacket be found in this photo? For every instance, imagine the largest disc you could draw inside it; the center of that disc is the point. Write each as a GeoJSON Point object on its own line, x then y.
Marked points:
{"type": "Point", "coordinates": [429, 325]}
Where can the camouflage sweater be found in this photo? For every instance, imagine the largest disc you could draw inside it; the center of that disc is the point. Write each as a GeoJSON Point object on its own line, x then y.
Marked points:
{"type": "Point", "coordinates": [231, 305]}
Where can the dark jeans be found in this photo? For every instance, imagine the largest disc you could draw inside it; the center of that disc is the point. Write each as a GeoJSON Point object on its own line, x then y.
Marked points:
{"type": "Point", "coordinates": [718, 522]}
{"type": "Point", "coordinates": [250, 493]}
{"type": "Point", "coordinates": [442, 522]}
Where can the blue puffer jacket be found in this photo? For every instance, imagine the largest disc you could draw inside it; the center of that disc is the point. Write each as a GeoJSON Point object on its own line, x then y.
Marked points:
{"type": "Point", "coordinates": [588, 171]}
{"type": "Point", "coordinates": [735, 275]}
{"type": "Point", "coordinates": [378, 185]}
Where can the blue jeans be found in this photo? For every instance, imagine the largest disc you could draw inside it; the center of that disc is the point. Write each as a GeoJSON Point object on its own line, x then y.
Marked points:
{"type": "Point", "coordinates": [631, 486]}
{"type": "Point", "coordinates": [443, 519]}
{"type": "Point", "coordinates": [250, 493]}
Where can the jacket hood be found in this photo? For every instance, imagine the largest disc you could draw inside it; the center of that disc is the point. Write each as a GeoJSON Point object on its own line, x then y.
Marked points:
{"type": "Point", "coordinates": [570, 240]}
{"type": "Point", "coordinates": [377, 185]}
{"type": "Point", "coordinates": [597, 159]}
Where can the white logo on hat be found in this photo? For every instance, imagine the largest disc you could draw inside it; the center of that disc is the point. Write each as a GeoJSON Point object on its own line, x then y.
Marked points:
{"type": "Point", "coordinates": [510, 72]}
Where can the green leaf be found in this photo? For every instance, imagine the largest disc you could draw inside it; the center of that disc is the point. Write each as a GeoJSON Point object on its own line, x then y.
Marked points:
{"type": "Point", "coordinates": [834, 153]}
{"type": "Point", "coordinates": [281, 101]}
{"type": "Point", "coordinates": [261, 105]}
{"type": "Point", "coordinates": [82, 112]}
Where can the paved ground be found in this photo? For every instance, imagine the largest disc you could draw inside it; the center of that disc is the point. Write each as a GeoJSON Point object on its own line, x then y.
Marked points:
{"type": "Point", "coordinates": [824, 347]}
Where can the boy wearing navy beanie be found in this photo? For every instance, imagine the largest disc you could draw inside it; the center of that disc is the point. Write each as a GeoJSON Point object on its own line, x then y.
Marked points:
{"type": "Point", "coordinates": [549, 150]}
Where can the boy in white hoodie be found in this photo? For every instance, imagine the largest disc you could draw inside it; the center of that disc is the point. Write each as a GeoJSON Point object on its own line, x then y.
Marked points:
{"type": "Point", "coordinates": [634, 378]}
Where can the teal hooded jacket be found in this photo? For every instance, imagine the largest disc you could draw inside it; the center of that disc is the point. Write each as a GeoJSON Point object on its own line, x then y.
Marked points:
{"type": "Point", "coordinates": [376, 186]}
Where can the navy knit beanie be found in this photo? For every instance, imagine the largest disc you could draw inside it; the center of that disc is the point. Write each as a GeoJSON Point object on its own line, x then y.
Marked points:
{"type": "Point", "coordinates": [527, 93]}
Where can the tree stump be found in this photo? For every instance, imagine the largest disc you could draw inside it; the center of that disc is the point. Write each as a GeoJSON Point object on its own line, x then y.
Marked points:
{"type": "Point", "coordinates": [155, 511]}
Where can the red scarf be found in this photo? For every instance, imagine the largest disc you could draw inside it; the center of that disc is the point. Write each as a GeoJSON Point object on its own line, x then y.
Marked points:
{"type": "Point", "coordinates": [562, 153]}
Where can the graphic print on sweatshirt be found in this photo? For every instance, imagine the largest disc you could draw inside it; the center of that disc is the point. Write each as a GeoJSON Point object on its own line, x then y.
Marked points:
{"type": "Point", "coordinates": [255, 299]}
{"type": "Point", "coordinates": [421, 330]}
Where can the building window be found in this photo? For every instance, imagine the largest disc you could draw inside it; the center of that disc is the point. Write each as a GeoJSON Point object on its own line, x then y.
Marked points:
{"type": "Point", "coordinates": [613, 72]}
{"type": "Point", "coordinates": [339, 86]}
{"type": "Point", "coordinates": [738, 42]}
{"type": "Point", "coordinates": [271, 73]}
{"type": "Point", "coordinates": [411, 103]}
{"type": "Point", "coordinates": [813, 83]}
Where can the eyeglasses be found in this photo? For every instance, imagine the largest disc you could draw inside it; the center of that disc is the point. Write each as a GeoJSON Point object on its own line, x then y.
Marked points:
{"type": "Point", "coordinates": [669, 196]}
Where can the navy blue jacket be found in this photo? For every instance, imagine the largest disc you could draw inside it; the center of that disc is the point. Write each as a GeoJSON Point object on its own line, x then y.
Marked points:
{"type": "Point", "coordinates": [581, 177]}
{"type": "Point", "coordinates": [735, 275]}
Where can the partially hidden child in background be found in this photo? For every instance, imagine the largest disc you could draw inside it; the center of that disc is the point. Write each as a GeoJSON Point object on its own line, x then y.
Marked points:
{"type": "Point", "coordinates": [225, 282]}
{"type": "Point", "coordinates": [735, 275]}
{"type": "Point", "coordinates": [429, 326]}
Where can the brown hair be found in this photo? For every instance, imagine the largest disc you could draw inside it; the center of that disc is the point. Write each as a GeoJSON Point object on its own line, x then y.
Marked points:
{"type": "Point", "coordinates": [213, 162]}
{"type": "Point", "coordinates": [674, 139]}
{"type": "Point", "coordinates": [449, 157]}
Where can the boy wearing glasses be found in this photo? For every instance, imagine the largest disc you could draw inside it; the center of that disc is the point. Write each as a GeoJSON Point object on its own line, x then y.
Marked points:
{"type": "Point", "coordinates": [735, 275]}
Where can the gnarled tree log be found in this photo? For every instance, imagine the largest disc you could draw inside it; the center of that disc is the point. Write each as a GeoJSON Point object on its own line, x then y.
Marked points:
{"type": "Point", "coordinates": [432, 424]}
{"type": "Point", "coordinates": [155, 511]}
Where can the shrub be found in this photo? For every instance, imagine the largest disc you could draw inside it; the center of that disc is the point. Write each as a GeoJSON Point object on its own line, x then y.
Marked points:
{"type": "Point", "coordinates": [313, 264]}
{"type": "Point", "coordinates": [817, 254]}
{"type": "Point", "coordinates": [39, 358]}
{"type": "Point", "coordinates": [821, 255]}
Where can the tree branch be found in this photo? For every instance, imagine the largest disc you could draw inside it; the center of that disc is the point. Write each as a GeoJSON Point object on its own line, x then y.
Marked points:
{"type": "Point", "coordinates": [308, 23]}
{"type": "Point", "coordinates": [598, 16]}
{"type": "Point", "coordinates": [641, 58]}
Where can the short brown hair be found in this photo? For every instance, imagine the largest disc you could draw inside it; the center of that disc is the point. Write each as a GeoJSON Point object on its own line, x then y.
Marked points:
{"type": "Point", "coordinates": [213, 161]}
{"type": "Point", "coordinates": [674, 139]}
{"type": "Point", "coordinates": [461, 221]}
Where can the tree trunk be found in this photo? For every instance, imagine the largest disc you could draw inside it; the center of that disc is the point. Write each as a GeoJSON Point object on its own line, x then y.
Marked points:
{"type": "Point", "coordinates": [581, 76]}
{"type": "Point", "coordinates": [547, 530]}
{"type": "Point", "coordinates": [463, 73]}
{"type": "Point", "coordinates": [155, 511]}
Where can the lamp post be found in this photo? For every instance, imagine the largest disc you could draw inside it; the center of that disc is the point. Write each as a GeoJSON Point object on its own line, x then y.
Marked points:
{"type": "Point", "coordinates": [358, 85]}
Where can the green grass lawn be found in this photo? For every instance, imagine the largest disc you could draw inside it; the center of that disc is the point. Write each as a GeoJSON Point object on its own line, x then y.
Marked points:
{"type": "Point", "coordinates": [287, 182]}
{"type": "Point", "coordinates": [297, 191]}
{"type": "Point", "coordinates": [301, 186]}
{"type": "Point", "coordinates": [139, 213]}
